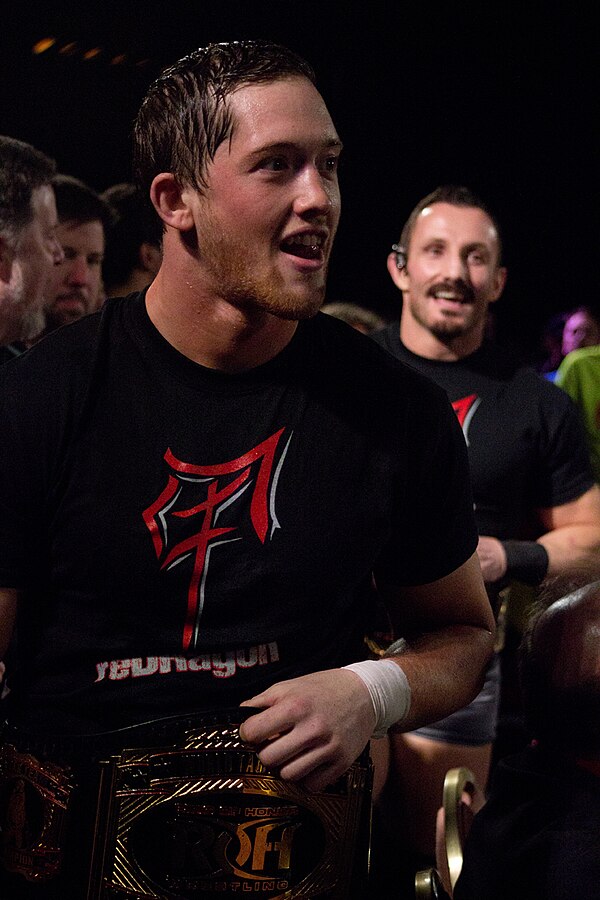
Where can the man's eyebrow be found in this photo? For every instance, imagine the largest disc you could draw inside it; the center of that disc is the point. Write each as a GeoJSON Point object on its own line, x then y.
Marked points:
{"type": "Point", "coordinates": [281, 146]}
{"type": "Point", "coordinates": [477, 245]}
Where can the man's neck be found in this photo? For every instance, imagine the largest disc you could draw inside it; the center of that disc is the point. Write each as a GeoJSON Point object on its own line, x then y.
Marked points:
{"type": "Point", "coordinates": [212, 332]}
{"type": "Point", "coordinates": [422, 342]}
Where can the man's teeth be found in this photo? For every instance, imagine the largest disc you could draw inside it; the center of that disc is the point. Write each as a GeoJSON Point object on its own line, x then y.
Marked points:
{"type": "Point", "coordinates": [448, 295]}
{"type": "Point", "coordinates": [307, 240]}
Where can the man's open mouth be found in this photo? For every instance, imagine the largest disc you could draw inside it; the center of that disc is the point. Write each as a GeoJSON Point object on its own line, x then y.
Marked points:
{"type": "Point", "coordinates": [451, 295]}
{"type": "Point", "coordinates": [306, 246]}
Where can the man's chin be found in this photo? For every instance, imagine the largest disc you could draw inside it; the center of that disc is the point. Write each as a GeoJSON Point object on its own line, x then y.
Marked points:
{"type": "Point", "coordinates": [297, 311]}
{"type": "Point", "coordinates": [58, 317]}
{"type": "Point", "coordinates": [452, 327]}
{"type": "Point", "coordinates": [33, 326]}
{"type": "Point", "coordinates": [289, 306]}
{"type": "Point", "coordinates": [300, 304]}
{"type": "Point", "coordinates": [447, 331]}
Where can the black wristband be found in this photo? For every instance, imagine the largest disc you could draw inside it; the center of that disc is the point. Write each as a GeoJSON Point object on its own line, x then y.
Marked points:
{"type": "Point", "coordinates": [526, 561]}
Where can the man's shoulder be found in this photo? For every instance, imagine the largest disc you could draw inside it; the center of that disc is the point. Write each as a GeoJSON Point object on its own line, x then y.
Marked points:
{"type": "Point", "coordinates": [63, 357]}
{"type": "Point", "coordinates": [368, 361]}
{"type": "Point", "coordinates": [388, 338]}
{"type": "Point", "coordinates": [582, 360]}
{"type": "Point", "coordinates": [10, 351]}
{"type": "Point", "coordinates": [548, 394]}
{"type": "Point", "coordinates": [56, 353]}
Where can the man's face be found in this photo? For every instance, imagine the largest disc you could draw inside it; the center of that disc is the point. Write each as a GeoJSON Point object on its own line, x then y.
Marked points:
{"type": "Point", "coordinates": [580, 331]}
{"type": "Point", "coordinates": [266, 222]}
{"type": "Point", "coordinates": [75, 283]}
{"type": "Point", "coordinates": [37, 254]}
{"type": "Point", "coordinates": [452, 272]}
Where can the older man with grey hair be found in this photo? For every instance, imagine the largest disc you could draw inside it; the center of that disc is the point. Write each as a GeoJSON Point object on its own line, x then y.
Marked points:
{"type": "Point", "coordinates": [29, 248]}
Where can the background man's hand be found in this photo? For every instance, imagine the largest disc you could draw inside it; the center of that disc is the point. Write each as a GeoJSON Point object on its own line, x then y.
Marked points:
{"type": "Point", "coordinates": [312, 728]}
{"type": "Point", "coordinates": [492, 558]}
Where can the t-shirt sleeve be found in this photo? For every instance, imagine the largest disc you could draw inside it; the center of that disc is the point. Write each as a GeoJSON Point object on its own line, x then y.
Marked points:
{"type": "Point", "coordinates": [564, 472]}
{"type": "Point", "coordinates": [434, 529]}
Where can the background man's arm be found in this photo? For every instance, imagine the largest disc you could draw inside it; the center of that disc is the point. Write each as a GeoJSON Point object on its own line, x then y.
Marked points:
{"type": "Point", "coordinates": [572, 541]}
{"type": "Point", "coordinates": [8, 612]}
{"type": "Point", "coordinates": [313, 727]}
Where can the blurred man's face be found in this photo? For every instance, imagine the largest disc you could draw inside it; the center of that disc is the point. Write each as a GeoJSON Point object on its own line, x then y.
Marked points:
{"type": "Point", "coordinates": [580, 331]}
{"type": "Point", "coordinates": [36, 256]}
{"type": "Point", "coordinates": [75, 288]}
{"type": "Point", "coordinates": [452, 272]}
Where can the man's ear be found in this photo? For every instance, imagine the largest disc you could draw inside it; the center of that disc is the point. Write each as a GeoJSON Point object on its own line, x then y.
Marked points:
{"type": "Point", "coordinates": [7, 255]}
{"type": "Point", "coordinates": [500, 277]}
{"type": "Point", "coordinates": [167, 197]}
{"type": "Point", "coordinates": [398, 276]}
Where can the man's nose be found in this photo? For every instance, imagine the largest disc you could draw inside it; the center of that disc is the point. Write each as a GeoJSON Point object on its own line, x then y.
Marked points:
{"type": "Point", "coordinates": [57, 253]}
{"type": "Point", "coordinates": [315, 194]}
{"type": "Point", "coordinates": [79, 271]}
{"type": "Point", "coordinates": [456, 267]}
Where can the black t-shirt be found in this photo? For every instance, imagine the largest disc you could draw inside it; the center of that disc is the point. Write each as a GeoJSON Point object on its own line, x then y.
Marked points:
{"type": "Point", "coordinates": [526, 446]}
{"type": "Point", "coordinates": [183, 537]}
{"type": "Point", "coordinates": [10, 351]}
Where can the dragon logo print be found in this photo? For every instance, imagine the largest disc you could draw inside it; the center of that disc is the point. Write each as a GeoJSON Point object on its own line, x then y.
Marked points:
{"type": "Point", "coordinates": [201, 494]}
{"type": "Point", "coordinates": [465, 410]}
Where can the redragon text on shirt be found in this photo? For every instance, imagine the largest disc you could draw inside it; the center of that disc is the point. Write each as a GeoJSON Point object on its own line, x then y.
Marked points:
{"type": "Point", "coordinates": [220, 665]}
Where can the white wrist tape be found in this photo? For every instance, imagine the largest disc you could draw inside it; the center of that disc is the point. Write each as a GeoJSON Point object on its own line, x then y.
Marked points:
{"type": "Point", "coordinates": [389, 690]}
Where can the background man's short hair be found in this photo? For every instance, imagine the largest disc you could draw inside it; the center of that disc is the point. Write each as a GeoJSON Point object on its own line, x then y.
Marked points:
{"type": "Point", "coordinates": [135, 223]}
{"type": "Point", "coordinates": [77, 202]}
{"type": "Point", "coordinates": [23, 169]}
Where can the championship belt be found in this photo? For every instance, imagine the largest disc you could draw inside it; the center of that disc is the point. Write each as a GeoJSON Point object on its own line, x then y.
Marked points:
{"type": "Point", "coordinates": [202, 817]}
{"type": "Point", "coordinates": [34, 798]}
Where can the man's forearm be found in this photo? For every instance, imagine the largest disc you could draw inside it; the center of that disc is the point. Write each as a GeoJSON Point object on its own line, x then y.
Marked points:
{"type": "Point", "coordinates": [445, 670]}
{"type": "Point", "coordinates": [573, 549]}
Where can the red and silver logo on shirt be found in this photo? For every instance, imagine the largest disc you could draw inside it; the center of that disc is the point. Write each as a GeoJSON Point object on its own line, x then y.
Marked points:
{"type": "Point", "coordinates": [214, 489]}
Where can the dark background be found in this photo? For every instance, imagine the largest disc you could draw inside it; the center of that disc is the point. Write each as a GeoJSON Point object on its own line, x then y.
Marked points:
{"type": "Point", "coordinates": [501, 99]}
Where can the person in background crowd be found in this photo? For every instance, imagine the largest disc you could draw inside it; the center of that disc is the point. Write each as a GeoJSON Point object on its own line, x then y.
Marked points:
{"type": "Point", "coordinates": [29, 247]}
{"type": "Point", "coordinates": [536, 504]}
{"type": "Point", "coordinates": [582, 329]}
{"type": "Point", "coordinates": [76, 284]}
{"type": "Point", "coordinates": [566, 332]}
{"type": "Point", "coordinates": [133, 242]}
{"type": "Point", "coordinates": [550, 353]}
{"type": "Point", "coordinates": [579, 375]}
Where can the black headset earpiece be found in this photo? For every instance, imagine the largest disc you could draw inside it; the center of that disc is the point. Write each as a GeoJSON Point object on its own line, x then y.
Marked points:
{"type": "Point", "coordinates": [400, 255]}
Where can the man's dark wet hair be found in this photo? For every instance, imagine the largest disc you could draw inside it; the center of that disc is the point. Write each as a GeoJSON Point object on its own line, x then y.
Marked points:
{"type": "Point", "coordinates": [186, 116]}
{"type": "Point", "coordinates": [560, 670]}
{"type": "Point", "coordinates": [77, 202]}
{"type": "Point", "coordinates": [135, 223]}
{"type": "Point", "coordinates": [23, 169]}
{"type": "Point", "coordinates": [455, 195]}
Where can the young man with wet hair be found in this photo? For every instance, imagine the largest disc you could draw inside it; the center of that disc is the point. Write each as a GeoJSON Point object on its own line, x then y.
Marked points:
{"type": "Point", "coordinates": [213, 473]}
